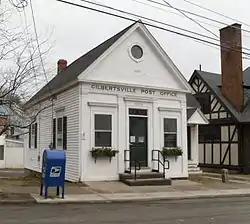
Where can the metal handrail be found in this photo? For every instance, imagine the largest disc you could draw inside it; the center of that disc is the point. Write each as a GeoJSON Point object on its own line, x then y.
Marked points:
{"type": "Point", "coordinates": [137, 164]}
{"type": "Point", "coordinates": [159, 162]}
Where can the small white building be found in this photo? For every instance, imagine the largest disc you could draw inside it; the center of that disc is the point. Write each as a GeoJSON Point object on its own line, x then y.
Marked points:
{"type": "Point", "coordinates": [126, 94]}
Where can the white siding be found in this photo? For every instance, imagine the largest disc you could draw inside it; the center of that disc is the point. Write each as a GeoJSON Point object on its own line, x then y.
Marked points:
{"type": "Point", "coordinates": [69, 102]}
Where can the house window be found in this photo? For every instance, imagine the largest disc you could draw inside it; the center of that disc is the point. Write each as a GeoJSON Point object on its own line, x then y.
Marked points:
{"type": "Point", "coordinates": [137, 52]}
{"type": "Point", "coordinates": [60, 133]}
{"type": "Point", "coordinates": [33, 136]}
{"type": "Point", "coordinates": [1, 152]}
{"type": "Point", "coordinates": [170, 132]}
{"type": "Point", "coordinates": [12, 131]}
{"type": "Point", "coordinates": [204, 100]}
{"type": "Point", "coordinates": [209, 133]}
{"type": "Point", "coordinates": [103, 130]}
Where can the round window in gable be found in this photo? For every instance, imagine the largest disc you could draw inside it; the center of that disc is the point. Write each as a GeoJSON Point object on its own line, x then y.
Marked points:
{"type": "Point", "coordinates": [136, 52]}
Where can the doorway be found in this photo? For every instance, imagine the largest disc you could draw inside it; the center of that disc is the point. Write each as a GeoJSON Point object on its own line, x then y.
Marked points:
{"type": "Point", "coordinates": [138, 136]}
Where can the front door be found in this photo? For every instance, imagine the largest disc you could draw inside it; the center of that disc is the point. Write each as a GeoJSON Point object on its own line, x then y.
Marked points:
{"type": "Point", "coordinates": [138, 140]}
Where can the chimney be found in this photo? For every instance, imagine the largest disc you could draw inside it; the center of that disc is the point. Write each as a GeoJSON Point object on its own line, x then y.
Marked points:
{"type": "Point", "coordinates": [61, 65]}
{"type": "Point", "coordinates": [231, 65]}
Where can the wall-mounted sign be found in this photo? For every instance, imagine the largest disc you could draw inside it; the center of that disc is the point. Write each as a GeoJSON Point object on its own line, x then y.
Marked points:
{"type": "Point", "coordinates": [142, 91]}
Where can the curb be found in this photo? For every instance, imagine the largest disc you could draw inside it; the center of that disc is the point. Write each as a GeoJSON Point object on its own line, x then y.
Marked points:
{"type": "Point", "coordinates": [139, 200]}
{"type": "Point", "coordinates": [12, 202]}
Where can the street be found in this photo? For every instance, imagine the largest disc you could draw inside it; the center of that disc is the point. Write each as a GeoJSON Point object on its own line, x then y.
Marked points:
{"type": "Point", "coordinates": [201, 211]}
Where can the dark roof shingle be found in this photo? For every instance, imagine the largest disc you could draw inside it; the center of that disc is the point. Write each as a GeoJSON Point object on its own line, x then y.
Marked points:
{"type": "Point", "coordinates": [213, 80]}
{"type": "Point", "coordinates": [72, 71]}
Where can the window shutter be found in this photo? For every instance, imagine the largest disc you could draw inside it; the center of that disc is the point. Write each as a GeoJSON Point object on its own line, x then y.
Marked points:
{"type": "Point", "coordinates": [64, 132]}
{"type": "Point", "coordinates": [35, 135]}
{"type": "Point", "coordinates": [54, 134]}
{"type": "Point", "coordinates": [30, 136]}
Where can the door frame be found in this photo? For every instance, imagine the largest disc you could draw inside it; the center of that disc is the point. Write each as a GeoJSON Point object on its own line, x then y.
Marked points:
{"type": "Point", "coordinates": [140, 104]}
{"type": "Point", "coordinates": [146, 136]}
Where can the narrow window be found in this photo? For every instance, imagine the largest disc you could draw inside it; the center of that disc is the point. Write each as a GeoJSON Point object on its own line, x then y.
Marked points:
{"type": "Point", "coordinates": [59, 133]}
{"type": "Point", "coordinates": [1, 152]}
{"type": "Point", "coordinates": [33, 136]}
{"type": "Point", "coordinates": [103, 130]}
{"type": "Point", "coordinates": [170, 132]}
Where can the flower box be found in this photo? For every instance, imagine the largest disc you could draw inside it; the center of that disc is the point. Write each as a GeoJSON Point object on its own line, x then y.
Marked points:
{"type": "Point", "coordinates": [172, 151]}
{"type": "Point", "coordinates": [103, 152]}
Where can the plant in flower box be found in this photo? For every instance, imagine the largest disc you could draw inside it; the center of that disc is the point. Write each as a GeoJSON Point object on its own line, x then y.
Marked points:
{"type": "Point", "coordinates": [172, 151]}
{"type": "Point", "coordinates": [103, 152]}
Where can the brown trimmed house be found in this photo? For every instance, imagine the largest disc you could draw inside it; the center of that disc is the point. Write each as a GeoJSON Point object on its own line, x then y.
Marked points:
{"type": "Point", "coordinates": [225, 101]}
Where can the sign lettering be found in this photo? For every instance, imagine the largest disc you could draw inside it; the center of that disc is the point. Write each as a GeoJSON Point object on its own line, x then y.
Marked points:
{"type": "Point", "coordinates": [142, 91]}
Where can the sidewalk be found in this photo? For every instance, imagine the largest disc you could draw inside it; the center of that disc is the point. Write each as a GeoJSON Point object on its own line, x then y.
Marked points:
{"type": "Point", "coordinates": [140, 197]}
{"type": "Point", "coordinates": [26, 190]}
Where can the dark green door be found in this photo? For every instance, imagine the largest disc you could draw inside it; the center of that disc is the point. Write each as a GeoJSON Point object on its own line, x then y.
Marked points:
{"type": "Point", "coordinates": [138, 140]}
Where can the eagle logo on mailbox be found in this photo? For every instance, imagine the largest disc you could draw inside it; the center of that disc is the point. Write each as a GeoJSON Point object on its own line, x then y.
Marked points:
{"type": "Point", "coordinates": [55, 171]}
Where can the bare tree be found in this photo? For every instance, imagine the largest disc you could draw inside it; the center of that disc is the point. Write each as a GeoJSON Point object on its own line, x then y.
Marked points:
{"type": "Point", "coordinates": [21, 71]}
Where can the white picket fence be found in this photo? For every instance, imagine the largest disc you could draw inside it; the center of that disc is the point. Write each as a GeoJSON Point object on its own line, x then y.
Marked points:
{"type": "Point", "coordinates": [11, 153]}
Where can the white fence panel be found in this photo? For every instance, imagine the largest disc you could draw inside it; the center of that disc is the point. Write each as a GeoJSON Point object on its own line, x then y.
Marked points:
{"type": "Point", "coordinates": [14, 154]}
{"type": "Point", "coordinates": [11, 153]}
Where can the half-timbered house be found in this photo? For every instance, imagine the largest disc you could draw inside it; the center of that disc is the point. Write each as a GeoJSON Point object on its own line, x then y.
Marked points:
{"type": "Point", "coordinates": [225, 101]}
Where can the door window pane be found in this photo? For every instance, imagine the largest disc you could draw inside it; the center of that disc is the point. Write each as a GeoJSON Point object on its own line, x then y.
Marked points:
{"type": "Point", "coordinates": [141, 112]}
{"type": "Point", "coordinates": [103, 122]}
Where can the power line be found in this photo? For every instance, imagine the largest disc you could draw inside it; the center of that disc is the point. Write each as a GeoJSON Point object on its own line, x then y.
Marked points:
{"type": "Point", "coordinates": [190, 18]}
{"type": "Point", "coordinates": [217, 13]}
{"type": "Point", "coordinates": [152, 20]}
{"type": "Point", "coordinates": [38, 45]}
{"type": "Point", "coordinates": [178, 14]}
{"type": "Point", "coordinates": [148, 24]}
{"type": "Point", "coordinates": [143, 17]}
{"type": "Point", "coordinates": [195, 14]}
{"type": "Point", "coordinates": [175, 13]}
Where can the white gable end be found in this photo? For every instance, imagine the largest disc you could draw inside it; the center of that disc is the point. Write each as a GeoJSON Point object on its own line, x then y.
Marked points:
{"type": "Point", "coordinates": [197, 118]}
{"type": "Point", "coordinates": [118, 66]}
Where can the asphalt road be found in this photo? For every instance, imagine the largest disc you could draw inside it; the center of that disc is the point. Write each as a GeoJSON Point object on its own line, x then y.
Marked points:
{"type": "Point", "coordinates": [222, 211]}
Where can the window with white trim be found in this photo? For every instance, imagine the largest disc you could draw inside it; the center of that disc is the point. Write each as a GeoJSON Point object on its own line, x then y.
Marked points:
{"type": "Point", "coordinates": [60, 133]}
{"type": "Point", "coordinates": [170, 132]}
{"type": "Point", "coordinates": [33, 136]}
{"type": "Point", "coordinates": [103, 130]}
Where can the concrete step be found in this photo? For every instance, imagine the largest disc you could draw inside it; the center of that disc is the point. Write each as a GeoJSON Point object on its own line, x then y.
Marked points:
{"type": "Point", "coordinates": [194, 168]}
{"type": "Point", "coordinates": [192, 165]}
{"type": "Point", "coordinates": [195, 172]}
{"type": "Point", "coordinates": [147, 182]}
{"type": "Point", "coordinates": [140, 175]}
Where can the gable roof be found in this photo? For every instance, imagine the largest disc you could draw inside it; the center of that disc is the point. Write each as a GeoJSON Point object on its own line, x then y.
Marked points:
{"type": "Point", "coordinates": [213, 82]}
{"type": "Point", "coordinates": [72, 71]}
{"type": "Point", "coordinates": [195, 116]}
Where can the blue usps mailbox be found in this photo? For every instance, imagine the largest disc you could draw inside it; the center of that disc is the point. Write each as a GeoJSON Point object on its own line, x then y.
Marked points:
{"type": "Point", "coordinates": [53, 170]}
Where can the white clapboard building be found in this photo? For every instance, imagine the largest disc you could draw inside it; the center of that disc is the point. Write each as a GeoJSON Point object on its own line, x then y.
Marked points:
{"type": "Point", "coordinates": [125, 95]}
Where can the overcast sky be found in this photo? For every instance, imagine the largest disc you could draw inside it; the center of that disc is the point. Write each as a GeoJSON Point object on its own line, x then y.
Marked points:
{"type": "Point", "coordinates": [76, 30]}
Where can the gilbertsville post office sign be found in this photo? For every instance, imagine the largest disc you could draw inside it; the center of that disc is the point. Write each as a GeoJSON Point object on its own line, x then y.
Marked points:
{"type": "Point", "coordinates": [143, 91]}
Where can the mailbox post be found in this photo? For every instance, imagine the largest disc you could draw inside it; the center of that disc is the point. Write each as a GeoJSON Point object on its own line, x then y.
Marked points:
{"type": "Point", "coordinates": [53, 171]}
